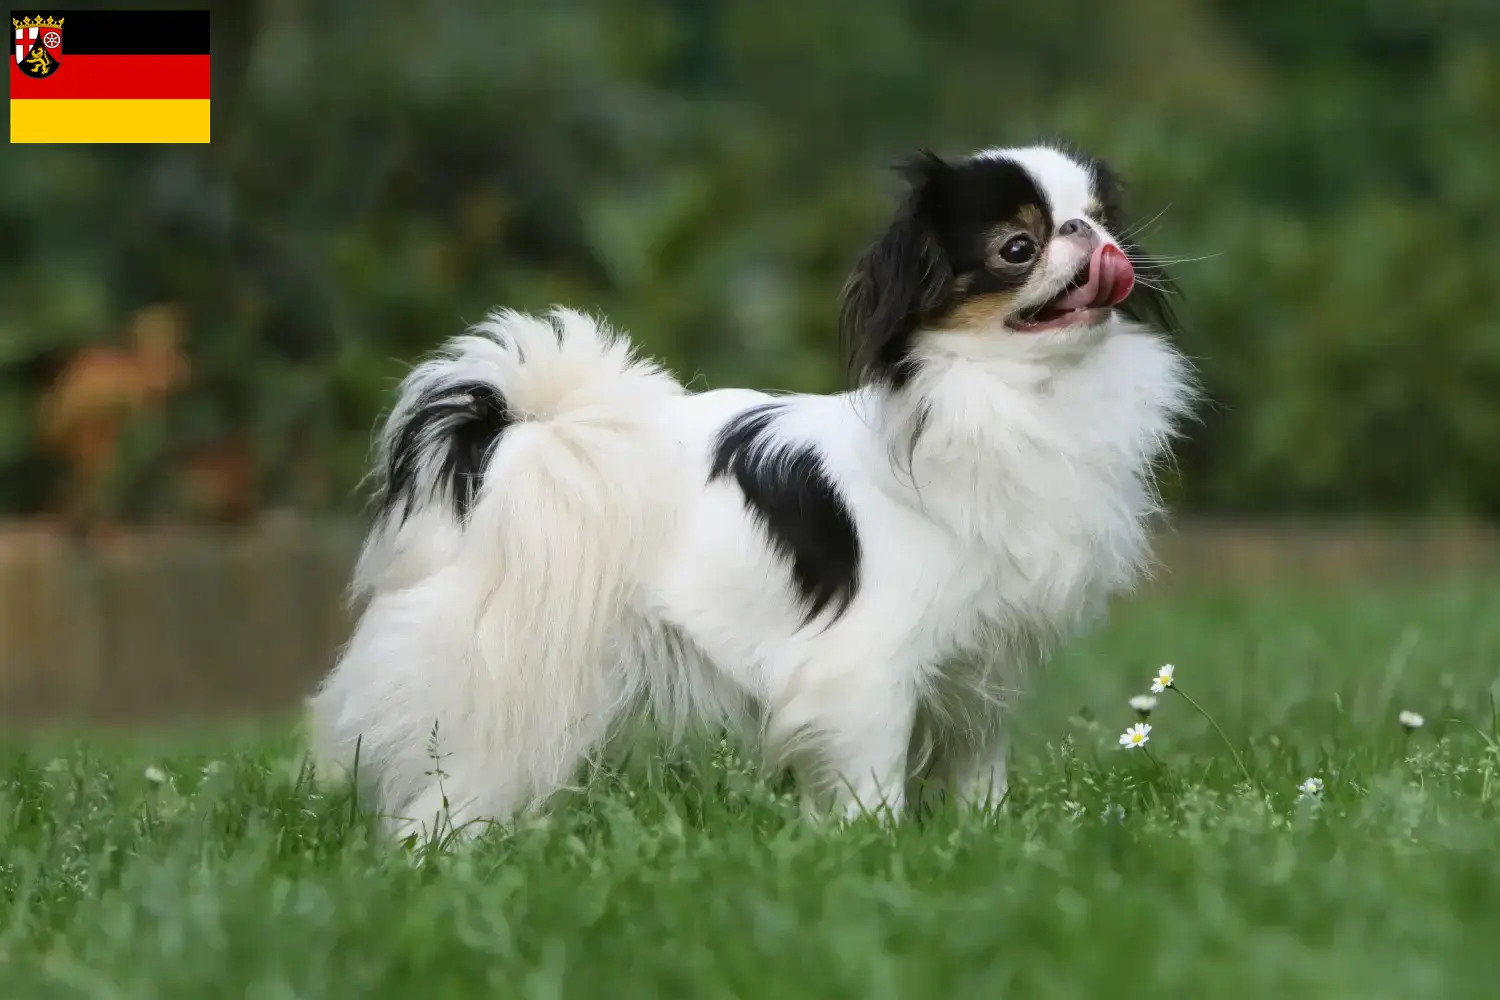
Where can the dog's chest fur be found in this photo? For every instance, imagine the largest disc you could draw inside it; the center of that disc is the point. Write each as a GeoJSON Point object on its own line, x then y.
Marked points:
{"type": "Point", "coordinates": [1044, 488]}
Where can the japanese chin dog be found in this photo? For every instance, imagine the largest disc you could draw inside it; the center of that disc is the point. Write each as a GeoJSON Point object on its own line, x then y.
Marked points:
{"type": "Point", "coordinates": [567, 539]}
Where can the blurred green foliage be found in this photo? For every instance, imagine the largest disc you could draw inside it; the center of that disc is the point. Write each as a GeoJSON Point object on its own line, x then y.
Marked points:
{"type": "Point", "coordinates": [705, 171]}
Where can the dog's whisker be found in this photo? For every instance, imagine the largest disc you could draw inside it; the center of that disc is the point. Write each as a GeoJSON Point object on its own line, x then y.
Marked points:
{"type": "Point", "coordinates": [1146, 259]}
{"type": "Point", "coordinates": [1145, 226]}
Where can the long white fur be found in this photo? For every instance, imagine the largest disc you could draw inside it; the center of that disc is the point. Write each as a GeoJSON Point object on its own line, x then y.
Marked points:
{"type": "Point", "coordinates": [601, 573]}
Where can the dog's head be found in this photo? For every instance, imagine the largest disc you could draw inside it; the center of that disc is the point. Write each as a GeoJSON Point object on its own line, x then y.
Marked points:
{"type": "Point", "coordinates": [1006, 243]}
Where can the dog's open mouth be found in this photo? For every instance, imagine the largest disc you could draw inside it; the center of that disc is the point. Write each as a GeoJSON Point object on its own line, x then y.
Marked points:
{"type": "Point", "coordinates": [1105, 281]}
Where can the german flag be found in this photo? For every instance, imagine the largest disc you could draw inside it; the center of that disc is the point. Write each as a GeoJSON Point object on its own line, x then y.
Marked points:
{"type": "Point", "coordinates": [109, 76]}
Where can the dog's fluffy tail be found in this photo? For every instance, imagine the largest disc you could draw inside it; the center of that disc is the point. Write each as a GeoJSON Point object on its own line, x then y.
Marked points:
{"type": "Point", "coordinates": [524, 483]}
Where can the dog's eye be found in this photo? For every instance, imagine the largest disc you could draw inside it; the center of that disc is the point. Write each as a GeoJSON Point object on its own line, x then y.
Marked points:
{"type": "Point", "coordinates": [1018, 250]}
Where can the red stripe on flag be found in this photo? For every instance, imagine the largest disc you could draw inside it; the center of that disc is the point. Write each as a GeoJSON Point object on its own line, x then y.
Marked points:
{"type": "Point", "coordinates": [117, 77]}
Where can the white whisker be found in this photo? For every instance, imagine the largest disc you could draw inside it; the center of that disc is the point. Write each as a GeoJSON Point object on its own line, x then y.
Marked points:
{"type": "Point", "coordinates": [1137, 230]}
{"type": "Point", "coordinates": [1152, 259]}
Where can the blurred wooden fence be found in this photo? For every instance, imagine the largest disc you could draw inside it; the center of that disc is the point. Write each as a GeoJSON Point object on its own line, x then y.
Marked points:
{"type": "Point", "coordinates": [170, 622]}
{"type": "Point", "coordinates": [189, 622]}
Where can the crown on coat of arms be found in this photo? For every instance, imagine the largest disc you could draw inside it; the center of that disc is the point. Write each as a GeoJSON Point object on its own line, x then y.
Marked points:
{"type": "Point", "coordinates": [39, 22]}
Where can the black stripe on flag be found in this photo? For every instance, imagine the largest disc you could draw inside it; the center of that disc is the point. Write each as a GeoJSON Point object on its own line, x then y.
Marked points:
{"type": "Point", "coordinates": [128, 32]}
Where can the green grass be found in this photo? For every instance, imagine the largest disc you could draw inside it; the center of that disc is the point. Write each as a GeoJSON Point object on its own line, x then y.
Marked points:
{"type": "Point", "coordinates": [1105, 875]}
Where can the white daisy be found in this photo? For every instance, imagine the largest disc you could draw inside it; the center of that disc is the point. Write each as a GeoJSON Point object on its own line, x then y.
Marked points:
{"type": "Point", "coordinates": [1312, 786]}
{"type": "Point", "coordinates": [1163, 679]}
{"type": "Point", "coordinates": [1410, 720]}
{"type": "Point", "coordinates": [156, 775]}
{"type": "Point", "coordinates": [1137, 735]}
{"type": "Point", "coordinates": [1143, 704]}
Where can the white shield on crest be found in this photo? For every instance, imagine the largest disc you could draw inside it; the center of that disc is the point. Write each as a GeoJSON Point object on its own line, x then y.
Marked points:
{"type": "Point", "coordinates": [25, 39]}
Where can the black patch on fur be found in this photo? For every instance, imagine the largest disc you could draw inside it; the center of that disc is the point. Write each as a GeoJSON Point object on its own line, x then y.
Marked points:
{"type": "Point", "coordinates": [974, 197]}
{"type": "Point", "coordinates": [900, 278]}
{"type": "Point", "coordinates": [941, 233]}
{"type": "Point", "coordinates": [1149, 305]}
{"type": "Point", "coordinates": [794, 499]}
{"type": "Point", "coordinates": [459, 423]}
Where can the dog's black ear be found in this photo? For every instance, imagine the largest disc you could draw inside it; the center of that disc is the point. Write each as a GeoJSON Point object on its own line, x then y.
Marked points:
{"type": "Point", "coordinates": [903, 277]}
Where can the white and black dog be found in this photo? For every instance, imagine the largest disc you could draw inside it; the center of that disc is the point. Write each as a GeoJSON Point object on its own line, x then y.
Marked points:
{"type": "Point", "coordinates": [567, 538]}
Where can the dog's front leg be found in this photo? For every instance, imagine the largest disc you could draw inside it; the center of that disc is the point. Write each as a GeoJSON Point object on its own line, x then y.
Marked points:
{"type": "Point", "coordinates": [978, 772]}
{"type": "Point", "coordinates": [847, 735]}
{"type": "Point", "coordinates": [969, 765]}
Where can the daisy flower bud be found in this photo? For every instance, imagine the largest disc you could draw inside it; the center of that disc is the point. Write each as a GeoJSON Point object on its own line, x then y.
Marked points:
{"type": "Point", "coordinates": [1143, 704]}
{"type": "Point", "coordinates": [1410, 720]}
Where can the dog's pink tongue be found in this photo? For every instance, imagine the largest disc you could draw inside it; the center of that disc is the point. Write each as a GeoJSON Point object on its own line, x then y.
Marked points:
{"type": "Point", "coordinates": [1110, 280]}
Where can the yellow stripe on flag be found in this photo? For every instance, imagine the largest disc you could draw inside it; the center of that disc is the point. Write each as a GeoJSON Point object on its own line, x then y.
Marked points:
{"type": "Point", "coordinates": [109, 121]}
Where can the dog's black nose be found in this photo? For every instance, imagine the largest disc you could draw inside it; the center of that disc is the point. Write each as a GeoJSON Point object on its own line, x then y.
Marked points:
{"type": "Point", "coordinates": [1072, 227]}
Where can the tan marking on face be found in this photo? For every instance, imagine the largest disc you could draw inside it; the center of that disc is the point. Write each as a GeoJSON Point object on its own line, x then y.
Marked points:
{"type": "Point", "coordinates": [1034, 221]}
{"type": "Point", "coordinates": [1028, 219]}
{"type": "Point", "coordinates": [979, 311]}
